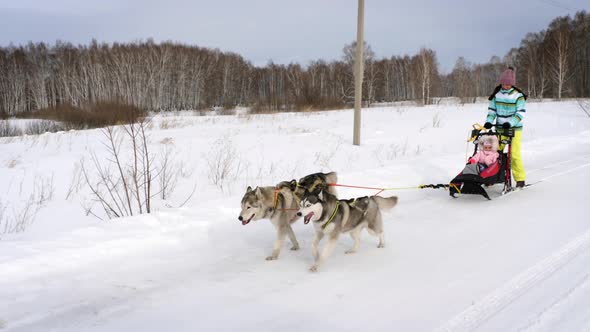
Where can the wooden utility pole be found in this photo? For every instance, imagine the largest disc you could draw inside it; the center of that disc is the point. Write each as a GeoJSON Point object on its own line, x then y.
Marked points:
{"type": "Point", "coordinates": [358, 74]}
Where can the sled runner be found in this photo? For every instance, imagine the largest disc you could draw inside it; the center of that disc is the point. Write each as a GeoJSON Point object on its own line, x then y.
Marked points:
{"type": "Point", "coordinates": [474, 177]}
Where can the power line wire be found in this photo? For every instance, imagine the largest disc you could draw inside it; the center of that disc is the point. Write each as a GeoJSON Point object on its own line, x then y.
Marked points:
{"type": "Point", "coordinates": [560, 5]}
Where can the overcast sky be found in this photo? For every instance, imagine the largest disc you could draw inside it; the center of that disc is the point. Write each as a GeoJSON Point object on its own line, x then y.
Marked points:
{"type": "Point", "coordinates": [290, 30]}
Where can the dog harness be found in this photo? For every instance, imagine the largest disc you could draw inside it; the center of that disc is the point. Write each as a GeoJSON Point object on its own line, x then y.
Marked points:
{"type": "Point", "coordinates": [331, 217]}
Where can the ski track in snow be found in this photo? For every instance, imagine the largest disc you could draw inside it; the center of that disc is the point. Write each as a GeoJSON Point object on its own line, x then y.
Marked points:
{"type": "Point", "coordinates": [551, 166]}
{"type": "Point", "coordinates": [502, 297]}
{"type": "Point", "coordinates": [560, 308]}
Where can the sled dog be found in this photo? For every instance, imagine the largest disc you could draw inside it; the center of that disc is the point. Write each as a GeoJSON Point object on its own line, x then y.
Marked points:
{"type": "Point", "coordinates": [311, 184]}
{"type": "Point", "coordinates": [279, 206]}
{"type": "Point", "coordinates": [332, 217]}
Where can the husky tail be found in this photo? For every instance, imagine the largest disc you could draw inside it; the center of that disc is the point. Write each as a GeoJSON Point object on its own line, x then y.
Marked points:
{"type": "Point", "coordinates": [385, 203]}
{"type": "Point", "coordinates": [332, 177]}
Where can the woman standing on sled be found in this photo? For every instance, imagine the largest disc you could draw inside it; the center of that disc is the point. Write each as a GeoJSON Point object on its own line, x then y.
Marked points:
{"type": "Point", "coordinates": [507, 108]}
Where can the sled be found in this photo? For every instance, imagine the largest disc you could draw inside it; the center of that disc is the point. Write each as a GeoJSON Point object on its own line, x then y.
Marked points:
{"type": "Point", "coordinates": [473, 179]}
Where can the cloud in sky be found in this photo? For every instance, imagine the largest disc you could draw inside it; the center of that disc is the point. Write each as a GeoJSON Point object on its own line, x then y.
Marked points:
{"type": "Point", "coordinates": [289, 31]}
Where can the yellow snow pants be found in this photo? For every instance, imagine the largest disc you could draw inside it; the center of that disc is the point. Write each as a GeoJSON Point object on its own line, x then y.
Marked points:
{"type": "Point", "coordinates": [518, 173]}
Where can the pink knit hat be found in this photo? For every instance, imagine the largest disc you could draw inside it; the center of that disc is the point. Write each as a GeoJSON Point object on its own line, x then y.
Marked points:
{"type": "Point", "coordinates": [489, 140]}
{"type": "Point", "coordinates": [508, 77]}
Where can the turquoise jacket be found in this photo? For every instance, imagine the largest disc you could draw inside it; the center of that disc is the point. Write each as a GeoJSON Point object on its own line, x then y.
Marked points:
{"type": "Point", "coordinates": [507, 106]}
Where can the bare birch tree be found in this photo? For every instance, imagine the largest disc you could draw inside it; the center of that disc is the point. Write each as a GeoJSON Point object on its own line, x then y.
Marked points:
{"type": "Point", "coordinates": [560, 51]}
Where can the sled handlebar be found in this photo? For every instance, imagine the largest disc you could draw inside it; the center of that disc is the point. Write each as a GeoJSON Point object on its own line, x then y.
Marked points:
{"type": "Point", "coordinates": [508, 132]}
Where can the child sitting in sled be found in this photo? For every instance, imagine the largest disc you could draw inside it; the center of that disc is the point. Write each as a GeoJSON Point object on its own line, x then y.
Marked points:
{"type": "Point", "coordinates": [487, 153]}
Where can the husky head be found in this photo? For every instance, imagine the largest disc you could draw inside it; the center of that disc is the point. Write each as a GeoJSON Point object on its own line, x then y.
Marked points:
{"type": "Point", "coordinates": [313, 184]}
{"type": "Point", "coordinates": [311, 207]}
{"type": "Point", "coordinates": [252, 206]}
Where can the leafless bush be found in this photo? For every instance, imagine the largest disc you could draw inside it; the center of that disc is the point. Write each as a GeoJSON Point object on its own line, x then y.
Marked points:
{"type": "Point", "coordinates": [246, 117]}
{"type": "Point", "coordinates": [89, 115]}
{"type": "Point", "coordinates": [22, 218]}
{"type": "Point", "coordinates": [377, 153]}
{"type": "Point", "coordinates": [393, 152]}
{"type": "Point", "coordinates": [169, 173]}
{"type": "Point", "coordinates": [166, 123]}
{"type": "Point", "coordinates": [225, 111]}
{"type": "Point", "coordinates": [324, 158]}
{"type": "Point", "coordinates": [397, 149]}
{"type": "Point", "coordinates": [87, 206]}
{"type": "Point", "coordinates": [260, 108]}
{"type": "Point", "coordinates": [404, 147]}
{"type": "Point", "coordinates": [295, 171]}
{"type": "Point", "coordinates": [468, 100]}
{"type": "Point", "coordinates": [585, 106]}
{"type": "Point", "coordinates": [436, 120]}
{"type": "Point", "coordinates": [401, 110]}
{"type": "Point", "coordinates": [19, 218]}
{"type": "Point", "coordinates": [43, 190]}
{"type": "Point", "coordinates": [223, 162]}
{"type": "Point", "coordinates": [124, 186]}
{"type": "Point", "coordinates": [76, 182]}
{"type": "Point", "coordinates": [316, 103]}
{"type": "Point", "coordinates": [265, 170]}
{"type": "Point", "coordinates": [43, 126]}
{"type": "Point", "coordinates": [185, 171]}
{"type": "Point", "coordinates": [8, 130]}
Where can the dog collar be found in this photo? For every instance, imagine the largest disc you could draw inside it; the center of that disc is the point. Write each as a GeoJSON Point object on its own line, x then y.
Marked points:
{"type": "Point", "coordinates": [331, 217]}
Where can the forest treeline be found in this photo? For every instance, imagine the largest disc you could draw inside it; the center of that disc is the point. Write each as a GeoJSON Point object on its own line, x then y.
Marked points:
{"type": "Point", "coordinates": [553, 63]}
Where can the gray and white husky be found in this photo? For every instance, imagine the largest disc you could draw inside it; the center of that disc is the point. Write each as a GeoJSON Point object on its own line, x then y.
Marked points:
{"type": "Point", "coordinates": [277, 205]}
{"type": "Point", "coordinates": [332, 217]}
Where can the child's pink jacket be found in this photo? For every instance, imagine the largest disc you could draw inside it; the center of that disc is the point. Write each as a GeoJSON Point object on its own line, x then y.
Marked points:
{"type": "Point", "coordinates": [484, 157]}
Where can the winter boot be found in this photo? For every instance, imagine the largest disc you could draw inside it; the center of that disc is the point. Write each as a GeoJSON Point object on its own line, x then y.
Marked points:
{"type": "Point", "coordinates": [519, 184]}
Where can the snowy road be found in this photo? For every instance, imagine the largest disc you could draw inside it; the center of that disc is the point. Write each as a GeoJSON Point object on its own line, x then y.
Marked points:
{"type": "Point", "coordinates": [516, 263]}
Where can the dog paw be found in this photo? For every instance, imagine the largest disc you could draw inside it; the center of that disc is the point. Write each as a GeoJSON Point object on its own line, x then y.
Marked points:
{"type": "Point", "coordinates": [350, 251]}
{"type": "Point", "coordinates": [314, 268]}
{"type": "Point", "coordinates": [295, 248]}
{"type": "Point", "coordinates": [381, 245]}
{"type": "Point", "coordinates": [271, 258]}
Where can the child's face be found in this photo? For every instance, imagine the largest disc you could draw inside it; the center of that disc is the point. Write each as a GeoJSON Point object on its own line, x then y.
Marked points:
{"type": "Point", "coordinates": [487, 148]}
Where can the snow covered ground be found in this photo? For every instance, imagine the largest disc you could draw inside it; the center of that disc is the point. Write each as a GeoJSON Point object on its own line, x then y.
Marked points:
{"type": "Point", "coordinates": [517, 263]}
